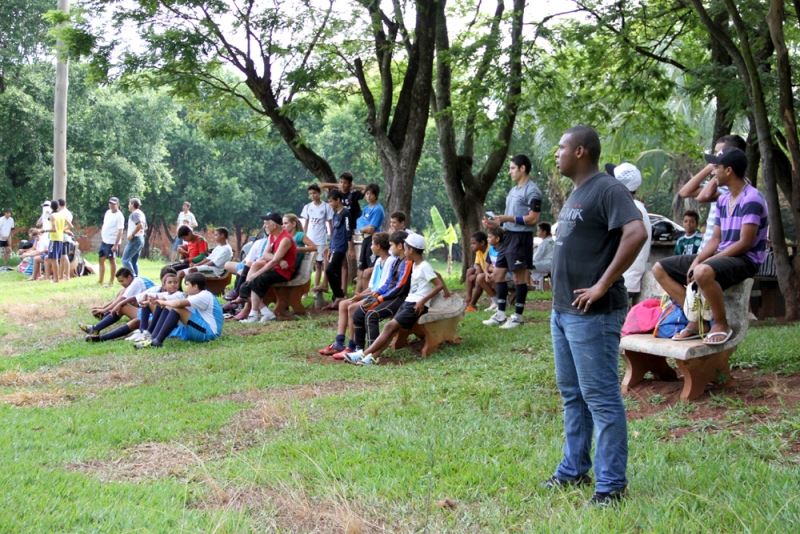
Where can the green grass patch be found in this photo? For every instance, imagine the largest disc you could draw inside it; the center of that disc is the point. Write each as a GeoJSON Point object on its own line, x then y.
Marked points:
{"type": "Point", "coordinates": [253, 433]}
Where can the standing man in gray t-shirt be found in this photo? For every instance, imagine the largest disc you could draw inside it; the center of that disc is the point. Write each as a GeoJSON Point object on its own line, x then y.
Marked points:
{"type": "Point", "coordinates": [523, 206]}
{"type": "Point", "coordinates": [599, 233]}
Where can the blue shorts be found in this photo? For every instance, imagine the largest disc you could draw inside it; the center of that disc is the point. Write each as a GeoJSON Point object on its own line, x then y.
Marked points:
{"type": "Point", "coordinates": [197, 329]}
{"type": "Point", "coordinates": [106, 251]}
{"type": "Point", "coordinates": [56, 250]}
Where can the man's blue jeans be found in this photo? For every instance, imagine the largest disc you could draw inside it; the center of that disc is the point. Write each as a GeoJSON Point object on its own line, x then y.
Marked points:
{"type": "Point", "coordinates": [130, 257]}
{"type": "Point", "coordinates": [586, 351]}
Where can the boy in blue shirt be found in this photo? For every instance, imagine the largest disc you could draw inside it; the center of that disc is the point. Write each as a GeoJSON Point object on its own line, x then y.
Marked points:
{"type": "Point", "coordinates": [370, 221]}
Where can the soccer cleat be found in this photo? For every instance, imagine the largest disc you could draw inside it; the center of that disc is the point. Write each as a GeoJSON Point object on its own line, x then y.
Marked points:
{"type": "Point", "coordinates": [86, 328]}
{"type": "Point", "coordinates": [331, 349]}
{"type": "Point", "coordinates": [470, 309]}
{"type": "Point", "coordinates": [143, 344]}
{"type": "Point", "coordinates": [495, 320]}
{"type": "Point", "coordinates": [512, 322]}
{"type": "Point", "coordinates": [93, 338]}
{"type": "Point", "coordinates": [341, 355]}
{"type": "Point", "coordinates": [602, 499]}
{"type": "Point", "coordinates": [554, 482]}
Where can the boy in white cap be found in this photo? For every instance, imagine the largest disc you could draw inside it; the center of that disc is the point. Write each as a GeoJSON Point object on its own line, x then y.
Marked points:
{"type": "Point", "coordinates": [425, 284]}
{"type": "Point", "coordinates": [631, 178]}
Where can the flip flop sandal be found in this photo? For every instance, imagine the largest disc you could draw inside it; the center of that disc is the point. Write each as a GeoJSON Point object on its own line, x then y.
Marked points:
{"type": "Point", "coordinates": [718, 338]}
{"type": "Point", "coordinates": [686, 335]}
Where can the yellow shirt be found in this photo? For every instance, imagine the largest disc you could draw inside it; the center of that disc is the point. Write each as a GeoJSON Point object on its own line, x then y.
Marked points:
{"type": "Point", "coordinates": [480, 259]}
{"type": "Point", "coordinates": [59, 224]}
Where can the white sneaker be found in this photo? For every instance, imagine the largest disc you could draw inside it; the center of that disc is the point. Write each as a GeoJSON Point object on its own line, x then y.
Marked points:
{"type": "Point", "coordinates": [496, 320]}
{"type": "Point", "coordinates": [134, 336]}
{"type": "Point", "coordinates": [492, 307]}
{"type": "Point", "coordinates": [267, 315]}
{"type": "Point", "coordinates": [512, 322]}
{"type": "Point", "coordinates": [250, 319]}
{"type": "Point", "coordinates": [354, 357]}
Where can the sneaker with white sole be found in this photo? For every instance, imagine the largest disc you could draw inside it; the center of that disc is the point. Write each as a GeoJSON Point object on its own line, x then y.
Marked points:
{"type": "Point", "coordinates": [512, 322]}
{"type": "Point", "coordinates": [492, 307]}
{"type": "Point", "coordinates": [367, 360]}
{"type": "Point", "coordinates": [134, 336]}
{"type": "Point", "coordinates": [354, 357]}
{"type": "Point", "coordinates": [267, 316]}
{"type": "Point", "coordinates": [143, 344]}
{"type": "Point", "coordinates": [496, 320]}
{"type": "Point", "coordinates": [250, 319]}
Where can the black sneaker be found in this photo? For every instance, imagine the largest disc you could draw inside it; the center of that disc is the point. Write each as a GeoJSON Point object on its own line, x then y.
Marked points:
{"type": "Point", "coordinates": [555, 482]}
{"type": "Point", "coordinates": [92, 338]}
{"type": "Point", "coordinates": [602, 499]}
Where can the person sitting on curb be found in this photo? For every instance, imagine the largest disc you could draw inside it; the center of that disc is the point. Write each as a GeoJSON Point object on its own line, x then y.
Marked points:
{"type": "Point", "coordinates": [737, 248]}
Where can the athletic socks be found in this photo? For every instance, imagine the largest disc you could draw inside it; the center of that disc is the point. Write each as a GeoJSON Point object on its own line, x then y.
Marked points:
{"type": "Point", "coordinates": [144, 318]}
{"type": "Point", "coordinates": [502, 294]}
{"type": "Point", "coordinates": [339, 341]}
{"type": "Point", "coordinates": [166, 324]}
{"type": "Point", "coordinates": [521, 293]}
{"type": "Point", "coordinates": [118, 332]}
{"type": "Point", "coordinates": [107, 320]}
{"type": "Point", "coordinates": [351, 344]}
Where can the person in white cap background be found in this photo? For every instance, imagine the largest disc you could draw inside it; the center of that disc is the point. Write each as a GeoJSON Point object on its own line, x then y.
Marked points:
{"type": "Point", "coordinates": [425, 284]}
{"type": "Point", "coordinates": [631, 178]}
{"type": "Point", "coordinates": [110, 237]}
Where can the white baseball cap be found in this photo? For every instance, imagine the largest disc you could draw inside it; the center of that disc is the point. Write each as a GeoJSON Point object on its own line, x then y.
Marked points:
{"type": "Point", "coordinates": [628, 174]}
{"type": "Point", "coordinates": [416, 241]}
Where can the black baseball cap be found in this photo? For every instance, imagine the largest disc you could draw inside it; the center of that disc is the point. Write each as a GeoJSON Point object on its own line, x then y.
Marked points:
{"type": "Point", "coordinates": [277, 218]}
{"type": "Point", "coordinates": [731, 157]}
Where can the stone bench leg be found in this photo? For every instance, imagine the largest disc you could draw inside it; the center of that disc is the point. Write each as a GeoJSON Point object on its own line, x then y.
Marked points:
{"type": "Point", "coordinates": [637, 364]}
{"type": "Point", "coordinates": [438, 332]}
{"type": "Point", "coordinates": [699, 372]}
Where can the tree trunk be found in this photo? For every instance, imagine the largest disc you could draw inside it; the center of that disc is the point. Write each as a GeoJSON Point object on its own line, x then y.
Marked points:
{"type": "Point", "coordinates": [238, 231]}
{"type": "Point", "coordinates": [147, 234]}
{"type": "Point", "coordinates": [60, 116]}
{"type": "Point", "coordinates": [467, 191]}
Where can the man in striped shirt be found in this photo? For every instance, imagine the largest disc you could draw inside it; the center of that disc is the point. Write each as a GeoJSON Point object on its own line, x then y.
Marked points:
{"type": "Point", "coordinates": [737, 248]}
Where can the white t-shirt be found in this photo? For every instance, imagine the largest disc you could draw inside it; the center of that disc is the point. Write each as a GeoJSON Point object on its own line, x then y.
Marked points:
{"type": "Point", "coordinates": [67, 214]}
{"type": "Point", "coordinates": [6, 225]}
{"type": "Point", "coordinates": [203, 303]}
{"type": "Point", "coordinates": [317, 216]}
{"type": "Point", "coordinates": [257, 250]}
{"type": "Point", "coordinates": [421, 277]}
{"type": "Point", "coordinates": [218, 257]}
{"type": "Point", "coordinates": [112, 224]}
{"type": "Point", "coordinates": [381, 272]}
{"type": "Point", "coordinates": [43, 242]}
{"type": "Point", "coordinates": [186, 219]}
{"type": "Point", "coordinates": [163, 295]}
{"type": "Point", "coordinates": [136, 287]}
{"type": "Point", "coordinates": [633, 276]}
{"type": "Point", "coordinates": [136, 217]}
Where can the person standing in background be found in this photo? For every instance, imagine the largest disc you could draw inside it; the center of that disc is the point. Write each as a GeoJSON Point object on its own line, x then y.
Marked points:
{"type": "Point", "coordinates": [137, 225]}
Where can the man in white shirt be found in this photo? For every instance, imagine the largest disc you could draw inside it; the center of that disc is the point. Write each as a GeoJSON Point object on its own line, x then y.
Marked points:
{"type": "Point", "coordinates": [631, 178]}
{"type": "Point", "coordinates": [318, 216]}
{"type": "Point", "coordinates": [110, 238]}
{"type": "Point", "coordinates": [6, 233]}
{"type": "Point", "coordinates": [137, 225]}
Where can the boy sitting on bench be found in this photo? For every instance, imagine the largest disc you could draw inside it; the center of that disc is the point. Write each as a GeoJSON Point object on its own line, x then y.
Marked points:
{"type": "Point", "coordinates": [732, 255]}
{"type": "Point", "coordinates": [425, 284]}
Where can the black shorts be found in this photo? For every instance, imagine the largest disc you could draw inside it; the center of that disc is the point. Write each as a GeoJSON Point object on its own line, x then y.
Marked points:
{"type": "Point", "coordinates": [728, 271]}
{"type": "Point", "coordinates": [516, 251]}
{"type": "Point", "coordinates": [365, 256]}
{"type": "Point", "coordinates": [106, 251]}
{"type": "Point", "coordinates": [261, 283]}
{"type": "Point", "coordinates": [406, 317]}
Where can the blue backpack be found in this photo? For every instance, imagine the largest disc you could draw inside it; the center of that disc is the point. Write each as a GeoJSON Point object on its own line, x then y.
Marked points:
{"type": "Point", "coordinates": [670, 321]}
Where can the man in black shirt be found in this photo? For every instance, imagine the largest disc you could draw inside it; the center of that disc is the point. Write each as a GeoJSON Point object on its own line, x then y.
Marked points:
{"type": "Point", "coordinates": [599, 233]}
{"type": "Point", "coordinates": [351, 195]}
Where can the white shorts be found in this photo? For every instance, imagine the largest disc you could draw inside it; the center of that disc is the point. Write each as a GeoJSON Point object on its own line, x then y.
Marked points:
{"type": "Point", "coordinates": [321, 250]}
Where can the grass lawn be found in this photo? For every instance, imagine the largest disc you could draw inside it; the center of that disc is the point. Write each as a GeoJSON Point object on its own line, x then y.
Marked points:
{"type": "Point", "coordinates": [254, 433]}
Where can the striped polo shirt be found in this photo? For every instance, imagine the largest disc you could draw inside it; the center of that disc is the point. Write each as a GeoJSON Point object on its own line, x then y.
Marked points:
{"type": "Point", "coordinates": [750, 208]}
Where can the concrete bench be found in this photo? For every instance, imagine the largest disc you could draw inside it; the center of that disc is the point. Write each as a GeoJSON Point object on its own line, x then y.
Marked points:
{"type": "Point", "coordinates": [437, 326]}
{"type": "Point", "coordinates": [699, 363]}
{"type": "Point", "coordinates": [290, 294]}
{"type": "Point", "coordinates": [217, 284]}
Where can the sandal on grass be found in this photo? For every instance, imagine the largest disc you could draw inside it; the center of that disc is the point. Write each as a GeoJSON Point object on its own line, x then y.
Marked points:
{"type": "Point", "coordinates": [718, 338]}
{"type": "Point", "coordinates": [686, 334]}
